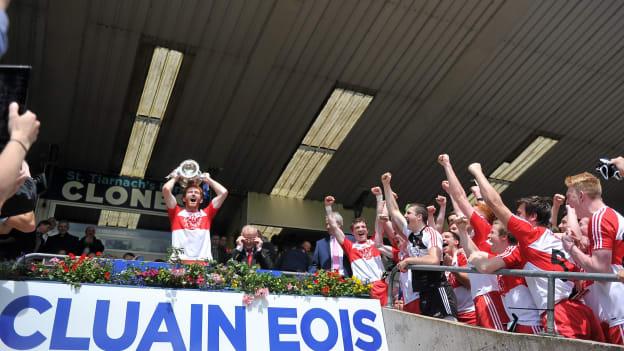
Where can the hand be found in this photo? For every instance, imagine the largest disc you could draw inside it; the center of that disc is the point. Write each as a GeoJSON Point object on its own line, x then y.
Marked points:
{"type": "Point", "coordinates": [386, 178]}
{"type": "Point", "coordinates": [431, 210]}
{"type": "Point", "coordinates": [618, 162]}
{"type": "Point", "coordinates": [445, 186]}
{"type": "Point", "coordinates": [620, 275]}
{"type": "Point", "coordinates": [402, 265]}
{"type": "Point", "coordinates": [475, 168]}
{"type": "Point", "coordinates": [258, 243]}
{"type": "Point", "coordinates": [568, 241]}
{"type": "Point", "coordinates": [240, 241]}
{"type": "Point", "coordinates": [462, 223]}
{"type": "Point", "coordinates": [444, 160]}
{"type": "Point", "coordinates": [558, 200]}
{"type": "Point", "coordinates": [447, 260]}
{"type": "Point", "coordinates": [205, 176]}
{"type": "Point", "coordinates": [24, 128]}
{"type": "Point", "coordinates": [395, 196]}
{"type": "Point", "coordinates": [376, 191]}
{"type": "Point", "coordinates": [571, 211]}
{"type": "Point", "coordinates": [4, 4]}
{"type": "Point", "coordinates": [476, 191]}
{"type": "Point", "coordinates": [476, 256]}
{"type": "Point", "coordinates": [329, 200]}
{"type": "Point", "coordinates": [441, 200]}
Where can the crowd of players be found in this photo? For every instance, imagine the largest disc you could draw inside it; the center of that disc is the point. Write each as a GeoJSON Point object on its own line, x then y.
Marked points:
{"type": "Point", "coordinates": [489, 236]}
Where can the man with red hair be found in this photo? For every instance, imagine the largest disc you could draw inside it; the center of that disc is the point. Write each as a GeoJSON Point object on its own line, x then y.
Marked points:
{"type": "Point", "coordinates": [190, 226]}
{"type": "Point", "coordinates": [606, 248]}
{"type": "Point", "coordinates": [541, 250]}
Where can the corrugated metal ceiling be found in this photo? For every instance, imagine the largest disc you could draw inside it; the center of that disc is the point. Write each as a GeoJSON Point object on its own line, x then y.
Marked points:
{"type": "Point", "coordinates": [472, 78]}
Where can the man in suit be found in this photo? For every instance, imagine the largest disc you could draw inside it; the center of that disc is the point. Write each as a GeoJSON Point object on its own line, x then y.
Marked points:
{"type": "Point", "coordinates": [249, 249]}
{"type": "Point", "coordinates": [328, 253]}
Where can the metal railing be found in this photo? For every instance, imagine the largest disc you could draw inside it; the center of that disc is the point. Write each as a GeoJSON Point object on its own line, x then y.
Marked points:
{"type": "Point", "coordinates": [550, 275]}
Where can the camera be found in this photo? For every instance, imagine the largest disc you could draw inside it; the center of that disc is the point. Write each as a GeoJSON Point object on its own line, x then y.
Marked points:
{"type": "Point", "coordinates": [608, 170]}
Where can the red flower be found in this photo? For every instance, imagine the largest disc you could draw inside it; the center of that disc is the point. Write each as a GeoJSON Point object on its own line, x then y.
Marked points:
{"type": "Point", "coordinates": [325, 290]}
{"type": "Point", "coordinates": [315, 281]}
{"type": "Point", "coordinates": [33, 267]}
{"type": "Point", "coordinates": [71, 255]}
{"type": "Point", "coordinates": [98, 254]}
{"type": "Point", "coordinates": [107, 275]}
{"type": "Point", "coordinates": [65, 269]}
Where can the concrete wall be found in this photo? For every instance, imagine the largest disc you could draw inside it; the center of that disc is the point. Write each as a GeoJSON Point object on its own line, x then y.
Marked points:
{"type": "Point", "coordinates": [405, 331]}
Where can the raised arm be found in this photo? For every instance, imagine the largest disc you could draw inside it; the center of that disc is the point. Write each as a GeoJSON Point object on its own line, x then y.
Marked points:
{"type": "Point", "coordinates": [167, 192]}
{"type": "Point", "coordinates": [490, 195]}
{"type": "Point", "coordinates": [557, 201]}
{"type": "Point", "coordinates": [455, 190]}
{"type": "Point", "coordinates": [445, 186]}
{"type": "Point", "coordinates": [439, 223]}
{"type": "Point", "coordinates": [431, 216]}
{"type": "Point", "coordinates": [379, 228]}
{"type": "Point", "coordinates": [391, 203]}
{"type": "Point", "coordinates": [334, 229]}
{"type": "Point", "coordinates": [219, 189]}
{"type": "Point", "coordinates": [464, 239]}
{"type": "Point", "coordinates": [23, 133]}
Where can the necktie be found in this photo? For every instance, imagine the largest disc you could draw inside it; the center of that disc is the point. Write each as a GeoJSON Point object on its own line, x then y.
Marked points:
{"type": "Point", "coordinates": [334, 252]}
{"type": "Point", "coordinates": [249, 257]}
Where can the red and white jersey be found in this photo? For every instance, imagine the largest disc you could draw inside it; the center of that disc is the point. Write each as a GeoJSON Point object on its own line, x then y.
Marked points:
{"type": "Point", "coordinates": [481, 284]}
{"type": "Point", "coordinates": [405, 278]}
{"type": "Point", "coordinates": [605, 231]}
{"type": "Point", "coordinates": [190, 231]}
{"type": "Point", "coordinates": [464, 299]}
{"type": "Point", "coordinates": [516, 295]}
{"type": "Point", "coordinates": [596, 298]}
{"type": "Point", "coordinates": [365, 260]}
{"type": "Point", "coordinates": [419, 246]}
{"type": "Point", "coordinates": [542, 251]}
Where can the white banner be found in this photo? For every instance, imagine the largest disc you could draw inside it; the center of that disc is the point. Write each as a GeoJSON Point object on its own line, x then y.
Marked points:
{"type": "Point", "coordinates": [54, 316]}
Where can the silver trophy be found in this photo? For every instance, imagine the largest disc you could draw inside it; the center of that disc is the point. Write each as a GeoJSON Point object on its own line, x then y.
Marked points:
{"type": "Point", "coordinates": [189, 173]}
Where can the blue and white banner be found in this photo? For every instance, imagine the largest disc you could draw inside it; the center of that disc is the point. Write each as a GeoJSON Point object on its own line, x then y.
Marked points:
{"type": "Point", "coordinates": [54, 316]}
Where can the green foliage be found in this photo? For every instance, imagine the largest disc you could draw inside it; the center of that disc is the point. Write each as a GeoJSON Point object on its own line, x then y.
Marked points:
{"type": "Point", "coordinates": [201, 275]}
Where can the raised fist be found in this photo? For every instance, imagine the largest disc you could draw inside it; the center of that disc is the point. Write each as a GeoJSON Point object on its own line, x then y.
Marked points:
{"type": "Point", "coordinates": [431, 209]}
{"type": "Point", "coordinates": [441, 200]}
{"type": "Point", "coordinates": [444, 160]}
{"type": "Point", "coordinates": [558, 200]}
{"type": "Point", "coordinates": [329, 200]}
{"type": "Point", "coordinates": [445, 186]}
{"type": "Point", "coordinates": [475, 168]}
{"type": "Point", "coordinates": [376, 190]}
{"type": "Point", "coordinates": [385, 178]}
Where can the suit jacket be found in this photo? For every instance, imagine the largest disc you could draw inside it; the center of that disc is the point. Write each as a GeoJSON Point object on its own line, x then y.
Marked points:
{"type": "Point", "coordinates": [322, 256]}
{"type": "Point", "coordinates": [261, 258]}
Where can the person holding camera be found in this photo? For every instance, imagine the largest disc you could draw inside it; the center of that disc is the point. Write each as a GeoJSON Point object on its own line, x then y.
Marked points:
{"type": "Point", "coordinates": [249, 249]}
{"type": "Point", "coordinates": [23, 131]}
